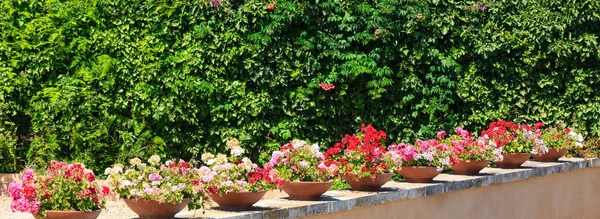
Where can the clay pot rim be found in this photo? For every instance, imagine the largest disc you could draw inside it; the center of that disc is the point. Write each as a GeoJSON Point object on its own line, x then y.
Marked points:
{"type": "Point", "coordinates": [308, 182]}
{"type": "Point", "coordinates": [474, 161]}
{"type": "Point", "coordinates": [73, 211]}
{"type": "Point", "coordinates": [372, 175]}
{"type": "Point", "coordinates": [420, 166]}
{"type": "Point", "coordinates": [390, 172]}
{"type": "Point", "coordinates": [245, 192]}
{"type": "Point", "coordinates": [516, 153]}
{"type": "Point", "coordinates": [139, 199]}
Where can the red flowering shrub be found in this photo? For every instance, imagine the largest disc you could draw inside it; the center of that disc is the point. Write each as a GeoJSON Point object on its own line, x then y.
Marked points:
{"type": "Point", "coordinates": [515, 138]}
{"type": "Point", "coordinates": [363, 154]}
{"type": "Point", "coordinates": [63, 187]}
{"type": "Point", "coordinates": [326, 87]}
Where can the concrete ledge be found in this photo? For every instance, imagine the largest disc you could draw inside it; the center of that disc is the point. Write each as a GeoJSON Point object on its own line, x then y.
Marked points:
{"type": "Point", "coordinates": [343, 200]}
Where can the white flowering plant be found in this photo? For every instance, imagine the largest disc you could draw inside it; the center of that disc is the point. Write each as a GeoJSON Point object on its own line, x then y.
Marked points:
{"type": "Point", "coordinates": [227, 174]}
{"type": "Point", "coordinates": [168, 182]}
{"type": "Point", "coordinates": [299, 161]}
{"type": "Point", "coordinates": [561, 138]}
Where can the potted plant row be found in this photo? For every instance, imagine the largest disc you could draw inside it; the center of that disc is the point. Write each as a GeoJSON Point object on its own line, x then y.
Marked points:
{"type": "Point", "coordinates": [156, 189]}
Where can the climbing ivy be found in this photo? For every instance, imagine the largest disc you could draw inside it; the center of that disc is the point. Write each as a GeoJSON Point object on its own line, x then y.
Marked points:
{"type": "Point", "coordinates": [101, 81]}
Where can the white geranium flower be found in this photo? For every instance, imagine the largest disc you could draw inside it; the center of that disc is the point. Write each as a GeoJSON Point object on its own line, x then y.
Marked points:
{"type": "Point", "coordinates": [154, 160]}
{"type": "Point", "coordinates": [210, 162]}
{"type": "Point", "coordinates": [237, 151]}
{"type": "Point", "coordinates": [206, 156]}
{"type": "Point", "coordinates": [118, 168]}
{"type": "Point", "coordinates": [135, 161]}
{"type": "Point", "coordinates": [298, 144]}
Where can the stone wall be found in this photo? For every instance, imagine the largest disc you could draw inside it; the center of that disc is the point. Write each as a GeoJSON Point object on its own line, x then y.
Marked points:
{"type": "Point", "coordinates": [564, 195]}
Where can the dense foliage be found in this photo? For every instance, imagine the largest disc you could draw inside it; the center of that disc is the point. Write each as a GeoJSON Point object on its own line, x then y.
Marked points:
{"type": "Point", "coordinates": [99, 80]}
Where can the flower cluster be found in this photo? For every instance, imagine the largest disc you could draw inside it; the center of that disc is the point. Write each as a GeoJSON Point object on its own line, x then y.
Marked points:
{"type": "Point", "coordinates": [168, 182]}
{"type": "Point", "coordinates": [465, 147]}
{"type": "Point", "coordinates": [326, 86]}
{"type": "Point", "coordinates": [271, 6]}
{"type": "Point", "coordinates": [299, 161]}
{"type": "Point", "coordinates": [235, 174]}
{"type": "Point", "coordinates": [430, 153]}
{"type": "Point", "coordinates": [215, 3]}
{"type": "Point", "coordinates": [515, 138]}
{"type": "Point", "coordinates": [40, 192]}
{"type": "Point", "coordinates": [561, 138]}
{"type": "Point", "coordinates": [479, 6]}
{"type": "Point", "coordinates": [363, 154]}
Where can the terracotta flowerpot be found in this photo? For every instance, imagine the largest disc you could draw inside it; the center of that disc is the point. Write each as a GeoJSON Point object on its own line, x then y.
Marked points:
{"type": "Point", "coordinates": [372, 183]}
{"type": "Point", "coordinates": [552, 155]}
{"type": "Point", "coordinates": [416, 174]}
{"type": "Point", "coordinates": [306, 191]}
{"type": "Point", "coordinates": [513, 160]}
{"type": "Point", "coordinates": [70, 215]}
{"type": "Point", "coordinates": [148, 209]}
{"type": "Point", "coordinates": [237, 201]}
{"type": "Point", "coordinates": [469, 168]}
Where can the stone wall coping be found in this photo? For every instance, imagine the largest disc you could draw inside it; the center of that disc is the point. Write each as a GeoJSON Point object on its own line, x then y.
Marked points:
{"type": "Point", "coordinates": [342, 200]}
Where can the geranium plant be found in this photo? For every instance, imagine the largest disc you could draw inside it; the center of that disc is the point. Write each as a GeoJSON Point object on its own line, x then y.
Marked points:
{"type": "Point", "coordinates": [363, 154]}
{"type": "Point", "coordinates": [236, 173]}
{"type": "Point", "coordinates": [465, 147]}
{"type": "Point", "coordinates": [426, 153]}
{"type": "Point", "coordinates": [299, 161]}
{"type": "Point", "coordinates": [61, 187]}
{"type": "Point", "coordinates": [560, 138]}
{"type": "Point", "coordinates": [168, 182]}
{"type": "Point", "coordinates": [515, 138]}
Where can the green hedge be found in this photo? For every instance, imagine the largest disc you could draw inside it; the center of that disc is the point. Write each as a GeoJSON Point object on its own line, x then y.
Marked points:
{"type": "Point", "coordinates": [104, 80]}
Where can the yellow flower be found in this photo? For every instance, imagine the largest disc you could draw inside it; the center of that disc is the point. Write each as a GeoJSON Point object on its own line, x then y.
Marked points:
{"type": "Point", "coordinates": [135, 161]}
{"type": "Point", "coordinates": [233, 143]}
{"type": "Point", "coordinates": [207, 156]}
{"type": "Point", "coordinates": [118, 168]}
{"type": "Point", "coordinates": [237, 151]}
{"type": "Point", "coordinates": [221, 159]}
{"type": "Point", "coordinates": [108, 171]}
{"type": "Point", "coordinates": [154, 160]}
